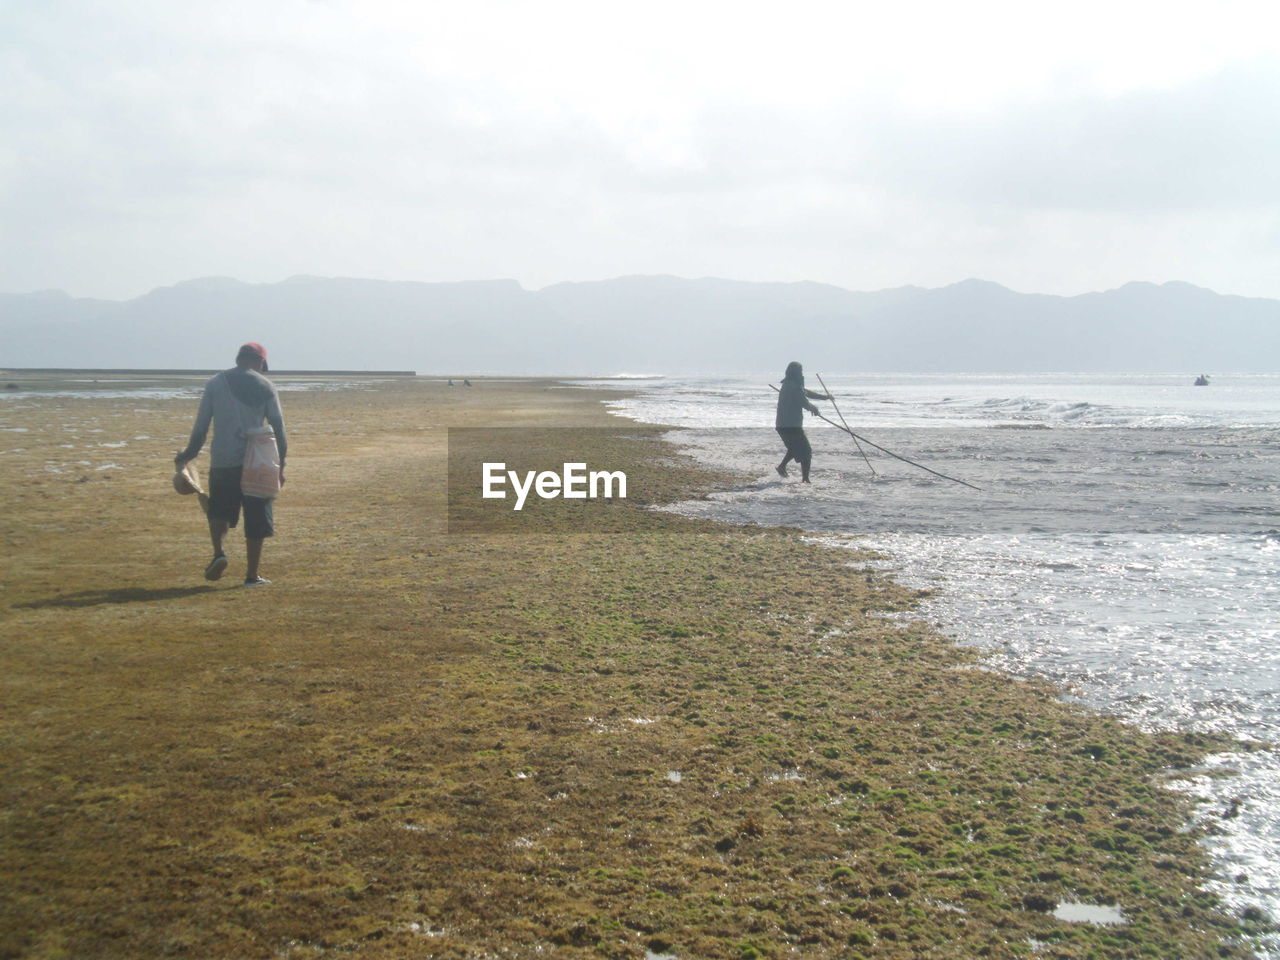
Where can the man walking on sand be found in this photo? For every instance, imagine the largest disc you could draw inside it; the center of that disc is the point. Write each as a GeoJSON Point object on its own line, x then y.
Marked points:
{"type": "Point", "coordinates": [235, 401]}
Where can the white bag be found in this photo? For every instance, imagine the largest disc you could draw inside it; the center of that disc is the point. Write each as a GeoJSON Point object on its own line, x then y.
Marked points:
{"type": "Point", "coordinates": [260, 476]}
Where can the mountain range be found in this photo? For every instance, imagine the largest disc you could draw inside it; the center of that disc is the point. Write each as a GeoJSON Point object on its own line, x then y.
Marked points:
{"type": "Point", "coordinates": [645, 324]}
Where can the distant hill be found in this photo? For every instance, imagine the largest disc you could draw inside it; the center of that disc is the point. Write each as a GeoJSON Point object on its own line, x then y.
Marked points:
{"type": "Point", "coordinates": [656, 324]}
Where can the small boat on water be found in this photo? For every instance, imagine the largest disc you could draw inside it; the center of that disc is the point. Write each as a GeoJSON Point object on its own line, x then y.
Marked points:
{"type": "Point", "coordinates": [1202, 380]}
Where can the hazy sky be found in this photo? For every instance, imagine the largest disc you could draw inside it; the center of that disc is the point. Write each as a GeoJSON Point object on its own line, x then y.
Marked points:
{"type": "Point", "coordinates": [1053, 148]}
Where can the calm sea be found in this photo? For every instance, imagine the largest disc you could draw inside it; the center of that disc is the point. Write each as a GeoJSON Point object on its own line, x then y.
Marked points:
{"type": "Point", "coordinates": [1125, 542]}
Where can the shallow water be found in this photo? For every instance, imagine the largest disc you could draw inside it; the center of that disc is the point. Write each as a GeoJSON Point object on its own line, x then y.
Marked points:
{"type": "Point", "coordinates": [980, 400]}
{"type": "Point", "coordinates": [1125, 543]}
{"type": "Point", "coordinates": [1089, 913]}
{"type": "Point", "coordinates": [151, 389]}
{"type": "Point", "coordinates": [91, 430]}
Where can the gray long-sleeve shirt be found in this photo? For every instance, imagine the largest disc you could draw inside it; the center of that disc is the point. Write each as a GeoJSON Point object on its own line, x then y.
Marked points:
{"type": "Point", "coordinates": [793, 400]}
{"type": "Point", "coordinates": [234, 401]}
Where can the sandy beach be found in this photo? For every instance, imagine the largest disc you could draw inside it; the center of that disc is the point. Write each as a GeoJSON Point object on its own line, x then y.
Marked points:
{"type": "Point", "coordinates": [659, 737]}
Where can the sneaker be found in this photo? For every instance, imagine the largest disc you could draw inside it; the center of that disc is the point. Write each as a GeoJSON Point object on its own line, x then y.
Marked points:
{"type": "Point", "coordinates": [257, 582]}
{"type": "Point", "coordinates": [214, 570]}
{"type": "Point", "coordinates": [782, 471]}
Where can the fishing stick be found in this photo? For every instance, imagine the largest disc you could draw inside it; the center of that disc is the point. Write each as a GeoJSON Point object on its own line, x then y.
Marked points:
{"type": "Point", "coordinates": [891, 453]}
{"type": "Point", "coordinates": [832, 397]}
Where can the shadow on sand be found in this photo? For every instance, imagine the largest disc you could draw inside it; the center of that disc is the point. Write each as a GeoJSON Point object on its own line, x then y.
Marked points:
{"type": "Point", "coordinates": [95, 598]}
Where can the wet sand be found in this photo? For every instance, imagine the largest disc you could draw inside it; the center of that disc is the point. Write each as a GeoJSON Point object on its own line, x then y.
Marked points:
{"type": "Point", "coordinates": [679, 739]}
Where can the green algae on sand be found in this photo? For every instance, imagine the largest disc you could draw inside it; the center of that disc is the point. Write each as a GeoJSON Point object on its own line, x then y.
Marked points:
{"type": "Point", "coordinates": [461, 745]}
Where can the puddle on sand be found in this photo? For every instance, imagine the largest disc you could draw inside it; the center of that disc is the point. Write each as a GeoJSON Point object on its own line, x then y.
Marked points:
{"type": "Point", "coordinates": [424, 930]}
{"type": "Point", "coordinates": [1089, 913]}
{"type": "Point", "coordinates": [602, 725]}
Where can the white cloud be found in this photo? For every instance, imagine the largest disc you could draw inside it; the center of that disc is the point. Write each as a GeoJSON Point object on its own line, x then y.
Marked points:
{"type": "Point", "coordinates": [860, 144]}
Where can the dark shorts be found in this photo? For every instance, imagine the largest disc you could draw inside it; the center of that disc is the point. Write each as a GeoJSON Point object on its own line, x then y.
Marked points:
{"type": "Point", "coordinates": [225, 499]}
{"type": "Point", "coordinates": [797, 443]}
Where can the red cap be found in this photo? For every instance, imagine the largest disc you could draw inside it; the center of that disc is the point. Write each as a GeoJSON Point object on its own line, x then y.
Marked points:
{"type": "Point", "coordinates": [254, 349]}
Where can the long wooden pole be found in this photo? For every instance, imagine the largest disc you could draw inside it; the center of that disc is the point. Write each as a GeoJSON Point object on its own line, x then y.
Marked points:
{"type": "Point", "coordinates": [846, 425]}
{"type": "Point", "coordinates": [891, 453]}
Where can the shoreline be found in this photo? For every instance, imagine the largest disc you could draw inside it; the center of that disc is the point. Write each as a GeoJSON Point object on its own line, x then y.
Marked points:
{"type": "Point", "coordinates": [423, 744]}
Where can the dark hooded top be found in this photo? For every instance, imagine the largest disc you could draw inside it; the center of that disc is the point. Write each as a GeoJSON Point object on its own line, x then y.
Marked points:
{"type": "Point", "coordinates": [793, 400]}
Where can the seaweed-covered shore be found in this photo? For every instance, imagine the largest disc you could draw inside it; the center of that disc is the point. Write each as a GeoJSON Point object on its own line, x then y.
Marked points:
{"type": "Point", "coordinates": [675, 738]}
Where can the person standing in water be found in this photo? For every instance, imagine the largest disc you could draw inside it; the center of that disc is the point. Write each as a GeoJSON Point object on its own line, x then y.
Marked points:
{"type": "Point", "coordinates": [793, 401]}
